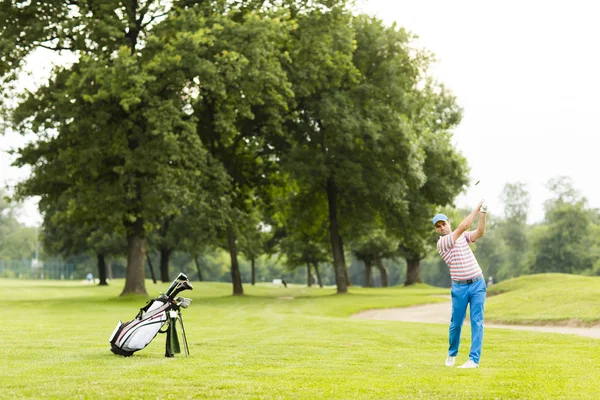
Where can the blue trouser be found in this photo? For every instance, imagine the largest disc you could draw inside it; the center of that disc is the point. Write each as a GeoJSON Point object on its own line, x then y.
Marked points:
{"type": "Point", "coordinates": [473, 294]}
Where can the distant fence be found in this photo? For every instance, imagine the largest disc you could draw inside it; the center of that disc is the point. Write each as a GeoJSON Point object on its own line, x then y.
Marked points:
{"type": "Point", "coordinates": [29, 269]}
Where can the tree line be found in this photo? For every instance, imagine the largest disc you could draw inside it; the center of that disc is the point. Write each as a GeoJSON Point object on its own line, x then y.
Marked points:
{"type": "Point", "coordinates": [17, 242]}
{"type": "Point", "coordinates": [291, 127]}
{"type": "Point", "coordinates": [565, 241]}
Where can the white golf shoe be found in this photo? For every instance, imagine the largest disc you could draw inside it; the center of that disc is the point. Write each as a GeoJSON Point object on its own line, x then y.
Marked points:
{"type": "Point", "coordinates": [450, 361]}
{"type": "Point", "coordinates": [469, 364]}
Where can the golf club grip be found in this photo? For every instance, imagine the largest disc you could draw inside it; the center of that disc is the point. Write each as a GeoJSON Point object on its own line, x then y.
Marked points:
{"type": "Point", "coordinates": [172, 287]}
{"type": "Point", "coordinates": [176, 292]}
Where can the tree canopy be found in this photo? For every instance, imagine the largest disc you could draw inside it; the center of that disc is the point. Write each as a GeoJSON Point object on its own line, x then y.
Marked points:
{"type": "Point", "coordinates": [192, 114]}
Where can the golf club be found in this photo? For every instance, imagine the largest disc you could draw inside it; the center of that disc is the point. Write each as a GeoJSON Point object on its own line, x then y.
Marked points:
{"type": "Point", "coordinates": [180, 287]}
{"type": "Point", "coordinates": [180, 278]}
{"type": "Point", "coordinates": [476, 191]}
{"type": "Point", "coordinates": [183, 302]}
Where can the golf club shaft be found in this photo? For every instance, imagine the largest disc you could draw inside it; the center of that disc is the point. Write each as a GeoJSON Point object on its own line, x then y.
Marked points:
{"type": "Point", "coordinates": [185, 343]}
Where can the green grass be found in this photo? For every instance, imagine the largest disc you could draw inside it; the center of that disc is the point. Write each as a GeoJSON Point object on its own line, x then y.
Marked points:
{"type": "Point", "coordinates": [273, 343]}
{"type": "Point", "coordinates": [546, 298]}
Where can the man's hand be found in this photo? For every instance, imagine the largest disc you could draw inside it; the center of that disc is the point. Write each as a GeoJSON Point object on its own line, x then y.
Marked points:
{"type": "Point", "coordinates": [484, 207]}
{"type": "Point", "coordinates": [480, 231]}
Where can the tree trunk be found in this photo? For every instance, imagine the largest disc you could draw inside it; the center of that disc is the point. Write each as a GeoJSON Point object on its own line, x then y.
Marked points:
{"type": "Point", "coordinates": [198, 268]}
{"type": "Point", "coordinates": [165, 256]}
{"type": "Point", "coordinates": [110, 275]}
{"type": "Point", "coordinates": [316, 267]}
{"type": "Point", "coordinates": [368, 274]}
{"type": "Point", "coordinates": [382, 272]}
{"type": "Point", "coordinates": [253, 272]}
{"type": "Point", "coordinates": [101, 269]}
{"type": "Point", "coordinates": [413, 270]}
{"type": "Point", "coordinates": [151, 268]}
{"type": "Point", "coordinates": [236, 278]}
{"type": "Point", "coordinates": [135, 273]}
{"type": "Point", "coordinates": [308, 276]}
{"type": "Point", "coordinates": [336, 240]}
{"type": "Point", "coordinates": [346, 276]}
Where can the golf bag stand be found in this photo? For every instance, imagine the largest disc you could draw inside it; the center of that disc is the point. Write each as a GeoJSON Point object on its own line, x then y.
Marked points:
{"type": "Point", "coordinates": [172, 346]}
{"type": "Point", "coordinates": [165, 310]}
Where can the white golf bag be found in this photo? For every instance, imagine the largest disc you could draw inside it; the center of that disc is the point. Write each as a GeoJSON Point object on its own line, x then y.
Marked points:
{"type": "Point", "coordinates": [165, 310]}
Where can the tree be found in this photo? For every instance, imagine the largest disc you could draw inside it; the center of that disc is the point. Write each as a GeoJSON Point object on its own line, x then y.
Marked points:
{"type": "Point", "coordinates": [17, 242]}
{"type": "Point", "coordinates": [300, 228]}
{"type": "Point", "coordinates": [232, 63]}
{"type": "Point", "coordinates": [62, 237]}
{"type": "Point", "coordinates": [166, 240]}
{"type": "Point", "coordinates": [513, 229]}
{"type": "Point", "coordinates": [494, 255]}
{"type": "Point", "coordinates": [112, 132]}
{"type": "Point", "coordinates": [446, 175]}
{"type": "Point", "coordinates": [353, 118]}
{"type": "Point", "coordinates": [516, 202]}
{"type": "Point", "coordinates": [371, 250]}
{"type": "Point", "coordinates": [200, 223]}
{"type": "Point", "coordinates": [563, 246]}
{"type": "Point", "coordinates": [252, 242]}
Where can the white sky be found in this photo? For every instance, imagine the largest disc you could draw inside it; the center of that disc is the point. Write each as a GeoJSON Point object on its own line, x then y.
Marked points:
{"type": "Point", "coordinates": [40, 65]}
{"type": "Point", "coordinates": [527, 74]}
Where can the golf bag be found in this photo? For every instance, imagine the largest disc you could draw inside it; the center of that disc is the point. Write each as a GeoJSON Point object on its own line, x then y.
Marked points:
{"type": "Point", "coordinates": [162, 312]}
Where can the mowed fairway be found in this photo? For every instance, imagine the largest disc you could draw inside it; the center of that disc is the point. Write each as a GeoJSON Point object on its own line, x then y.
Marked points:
{"type": "Point", "coordinates": [281, 343]}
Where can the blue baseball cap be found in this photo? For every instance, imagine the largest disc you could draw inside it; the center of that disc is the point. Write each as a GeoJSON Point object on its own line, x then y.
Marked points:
{"type": "Point", "coordinates": [439, 217]}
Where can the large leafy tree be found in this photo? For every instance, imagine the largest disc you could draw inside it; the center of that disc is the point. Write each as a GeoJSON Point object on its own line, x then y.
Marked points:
{"type": "Point", "coordinates": [363, 129]}
{"type": "Point", "coordinates": [232, 61]}
{"type": "Point", "coordinates": [79, 27]}
{"type": "Point", "coordinates": [437, 172]}
{"type": "Point", "coordinates": [113, 136]}
{"type": "Point", "coordinates": [324, 123]}
{"type": "Point", "coordinates": [446, 172]}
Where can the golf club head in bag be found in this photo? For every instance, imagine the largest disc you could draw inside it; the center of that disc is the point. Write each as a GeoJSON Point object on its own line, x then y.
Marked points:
{"type": "Point", "coordinates": [161, 312]}
{"type": "Point", "coordinates": [181, 286]}
{"type": "Point", "coordinates": [183, 302]}
{"type": "Point", "coordinates": [180, 278]}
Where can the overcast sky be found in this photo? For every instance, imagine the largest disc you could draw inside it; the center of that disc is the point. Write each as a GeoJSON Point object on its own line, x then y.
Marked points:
{"type": "Point", "coordinates": [527, 74]}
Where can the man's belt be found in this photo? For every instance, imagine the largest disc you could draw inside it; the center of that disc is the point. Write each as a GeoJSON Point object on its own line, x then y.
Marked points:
{"type": "Point", "coordinates": [468, 281]}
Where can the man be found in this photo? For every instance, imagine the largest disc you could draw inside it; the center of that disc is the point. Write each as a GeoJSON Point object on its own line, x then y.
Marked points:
{"type": "Point", "coordinates": [468, 284]}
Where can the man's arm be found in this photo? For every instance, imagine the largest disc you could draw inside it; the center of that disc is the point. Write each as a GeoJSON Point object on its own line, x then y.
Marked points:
{"type": "Point", "coordinates": [480, 231]}
{"type": "Point", "coordinates": [466, 223]}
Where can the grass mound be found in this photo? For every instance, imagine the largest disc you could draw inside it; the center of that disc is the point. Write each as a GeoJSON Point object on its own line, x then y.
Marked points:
{"type": "Point", "coordinates": [558, 299]}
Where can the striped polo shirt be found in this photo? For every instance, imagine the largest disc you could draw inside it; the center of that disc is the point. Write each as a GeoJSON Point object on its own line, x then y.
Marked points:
{"type": "Point", "coordinates": [459, 257]}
